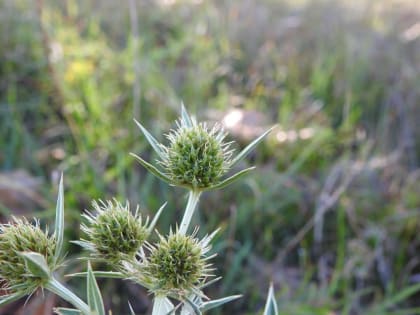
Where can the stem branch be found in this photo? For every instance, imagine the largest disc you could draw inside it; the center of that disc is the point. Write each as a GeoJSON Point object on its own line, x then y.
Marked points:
{"type": "Point", "coordinates": [56, 287]}
{"type": "Point", "coordinates": [193, 198]}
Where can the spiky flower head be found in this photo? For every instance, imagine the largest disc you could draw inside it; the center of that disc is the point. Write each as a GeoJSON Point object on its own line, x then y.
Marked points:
{"type": "Point", "coordinates": [16, 238]}
{"type": "Point", "coordinates": [177, 265]}
{"type": "Point", "coordinates": [197, 157]}
{"type": "Point", "coordinates": [113, 232]}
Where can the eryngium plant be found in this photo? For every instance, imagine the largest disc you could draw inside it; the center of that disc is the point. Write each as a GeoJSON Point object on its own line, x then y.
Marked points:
{"type": "Point", "coordinates": [113, 232]}
{"type": "Point", "coordinates": [176, 267]}
{"type": "Point", "coordinates": [17, 238]}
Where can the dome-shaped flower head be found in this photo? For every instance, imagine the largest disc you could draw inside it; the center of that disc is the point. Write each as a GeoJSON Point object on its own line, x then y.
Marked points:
{"type": "Point", "coordinates": [17, 239]}
{"type": "Point", "coordinates": [176, 266]}
{"type": "Point", "coordinates": [197, 157]}
{"type": "Point", "coordinates": [113, 232]}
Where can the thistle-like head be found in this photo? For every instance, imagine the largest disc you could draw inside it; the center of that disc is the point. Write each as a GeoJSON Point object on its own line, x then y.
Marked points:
{"type": "Point", "coordinates": [197, 157]}
{"type": "Point", "coordinates": [177, 265]}
{"type": "Point", "coordinates": [113, 232]}
{"type": "Point", "coordinates": [16, 239]}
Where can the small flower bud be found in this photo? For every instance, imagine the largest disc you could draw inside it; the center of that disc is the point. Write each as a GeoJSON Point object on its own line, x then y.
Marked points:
{"type": "Point", "coordinates": [18, 237]}
{"type": "Point", "coordinates": [113, 232]}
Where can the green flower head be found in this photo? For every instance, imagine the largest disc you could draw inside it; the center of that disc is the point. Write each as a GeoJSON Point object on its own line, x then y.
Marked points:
{"type": "Point", "coordinates": [176, 266]}
{"type": "Point", "coordinates": [113, 232]}
{"type": "Point", "coordinates": [197, 157]}
{"type": "Point", "coordinates": [21, 237]}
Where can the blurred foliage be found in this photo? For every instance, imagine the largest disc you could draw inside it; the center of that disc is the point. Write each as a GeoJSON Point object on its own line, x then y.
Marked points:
{"type": "Point", "coordinates": [331, 216]}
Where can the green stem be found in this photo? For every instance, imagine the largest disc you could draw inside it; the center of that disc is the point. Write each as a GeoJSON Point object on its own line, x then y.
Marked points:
{"type": "Point", "coordinates": [193, 198]}
{"type": "Point", "coordinates": [56, 287]}
{"type": "Point", "coordinates": [161, 305]}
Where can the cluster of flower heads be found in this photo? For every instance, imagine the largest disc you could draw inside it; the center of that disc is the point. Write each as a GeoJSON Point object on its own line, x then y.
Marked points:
{"type": "Point", "coordinates": [197, 157]}
{"type": "Point", "coordinates": [177, 265]}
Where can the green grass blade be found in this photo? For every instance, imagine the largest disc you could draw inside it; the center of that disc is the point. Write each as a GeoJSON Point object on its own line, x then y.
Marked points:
{"type": "Point", "coordinates": [153, 142]}
{"type": "Point", "coordinates": [231, 179]}
{"type": "Point", "coordinates": [59, 222]}
{"type": "Point", "coordinates": [271, 304]}
{"type": "Point", "coordinates": [250, 147]}
{"type": "Point", "coordinates": [95, 301]}
{"type": "Point", "coordinates": [397, 298]}
{"type": "Point", "coordinates": [152, 169]}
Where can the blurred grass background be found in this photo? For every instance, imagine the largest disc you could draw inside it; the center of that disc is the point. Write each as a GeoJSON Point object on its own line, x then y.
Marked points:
{"type": "Point", "coordinates": [331, 215]}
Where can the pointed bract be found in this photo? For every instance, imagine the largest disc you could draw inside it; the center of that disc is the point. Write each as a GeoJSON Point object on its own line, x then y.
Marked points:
{"type": "Point", "coordinates": [59, 222]}
{"type": "Point", "coordinates": [271, 304]}
{"type": "Point", "coordinates": [95, 301]}
{"type": "Point", "coordinates": [250, 147]}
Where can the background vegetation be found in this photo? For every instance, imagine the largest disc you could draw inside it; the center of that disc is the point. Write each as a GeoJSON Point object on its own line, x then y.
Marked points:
{"type": "Point", "coordinates": [331, 216]}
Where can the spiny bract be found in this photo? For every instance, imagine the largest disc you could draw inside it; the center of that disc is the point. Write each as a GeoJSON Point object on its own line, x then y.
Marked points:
{"type": "Point", "coordinates": [18, 237]}
{"type": "Point", "coordinates": [113, 232]}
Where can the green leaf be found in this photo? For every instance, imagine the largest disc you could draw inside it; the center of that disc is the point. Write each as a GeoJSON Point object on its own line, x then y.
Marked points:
{"type": "Point", "coordinates": [156, 217]}
{"type": "Point", "coordinates": [36, 264]}
{"type": "Point", "coordinates": [152, 169]}
{"type": "Point", "coordinates": [216, 303]}
{"type": "Point", "coordinates": [153, 142]}
{"type": "Point", "coordinates": [59, 222]}
{"type": "Point", "coordinates": [231, 179]}
{"type": "Point", "coordinates": [250, 147]}
{"type": "Point", "coordinates": [99, 274]}
{"type": "Point", "coordinates": [6, 299]}
{"type": "Point", "coordinates": [95, 301]}
{"type": "Point", "coordinates": [186, 118]}
{"type": "Point", "coordinates": [66, 311]}
{"type": "Point", "coordinates": [271, 304]}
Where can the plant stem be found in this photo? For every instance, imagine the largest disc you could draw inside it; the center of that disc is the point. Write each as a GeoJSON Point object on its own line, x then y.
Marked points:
{"type": "Point", "coordinates": [161, 305]}
{"type": "Point", "coordinates": [56, 287]}
{"type": "Point", "coordinates": [193, 198]}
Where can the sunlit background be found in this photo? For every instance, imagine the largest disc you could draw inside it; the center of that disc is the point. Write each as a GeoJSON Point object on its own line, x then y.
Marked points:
{"type": "Point", "coordinates": [331, 216]}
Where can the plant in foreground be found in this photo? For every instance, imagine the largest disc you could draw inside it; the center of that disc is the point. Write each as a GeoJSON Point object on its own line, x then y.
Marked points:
{"type": "Point", "coordinates": [175, 268]}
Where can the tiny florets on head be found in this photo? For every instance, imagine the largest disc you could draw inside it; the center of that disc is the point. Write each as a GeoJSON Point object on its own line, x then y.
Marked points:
{"type": "Point", "coordinates": [196, 156]}
{"type": "Point", "coordinates": [18, 237]}
{"type": "Point", "coordinates": [113, 232]}
{"type": "Point", "coordinates": [177, 264]}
